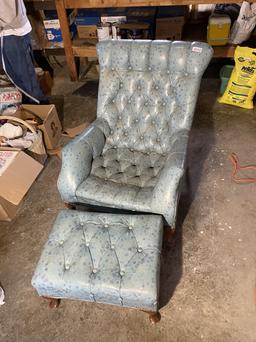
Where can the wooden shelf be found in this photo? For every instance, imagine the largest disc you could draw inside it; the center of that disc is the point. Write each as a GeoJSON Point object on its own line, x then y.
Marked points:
{"type": "Point", "coordinates": [89, 50]}
{"type": "Point", "coordinates": [136, 3]}
{"type": "Point", "coordinates": [80, 48]}
{"type": "Point", "coordinates": [84, 48]}
{"type": "Point", "coordinates": [191, 32]}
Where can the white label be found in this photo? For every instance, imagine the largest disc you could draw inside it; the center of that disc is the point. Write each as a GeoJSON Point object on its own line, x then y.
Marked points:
{"type": "Point", "coordinates": [52, 24]}
{"type": "Point", "coordinates": [6, 158]}
{"type": "Point", "coordinates": [196, 49]}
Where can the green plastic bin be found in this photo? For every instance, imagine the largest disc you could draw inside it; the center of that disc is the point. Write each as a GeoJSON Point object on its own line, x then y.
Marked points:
{"type": "Point", "coordinates": [225, 73]}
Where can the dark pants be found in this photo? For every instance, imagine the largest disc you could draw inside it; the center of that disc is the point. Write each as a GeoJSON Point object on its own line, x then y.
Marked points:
{"type": "Point", "coordinates": [17, 55]}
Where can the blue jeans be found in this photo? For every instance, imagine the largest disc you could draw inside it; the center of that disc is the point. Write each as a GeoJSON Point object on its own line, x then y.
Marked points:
{"type": "Point", "coordinates": [17, 62]}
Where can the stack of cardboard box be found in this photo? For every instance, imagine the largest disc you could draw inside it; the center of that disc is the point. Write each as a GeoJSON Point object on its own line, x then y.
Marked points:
{"type": "Point", "coordinates": [18, 170]}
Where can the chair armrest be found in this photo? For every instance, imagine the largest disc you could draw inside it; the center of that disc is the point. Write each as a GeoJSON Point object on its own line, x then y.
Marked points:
{"type": "Point", "coordinates": [77, 159]}
{"type": "Point", "coordinates": [166, 192]}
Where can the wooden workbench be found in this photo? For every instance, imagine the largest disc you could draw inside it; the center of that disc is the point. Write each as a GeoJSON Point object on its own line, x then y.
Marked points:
{"type": "Point", "coordinates": [81, 48]}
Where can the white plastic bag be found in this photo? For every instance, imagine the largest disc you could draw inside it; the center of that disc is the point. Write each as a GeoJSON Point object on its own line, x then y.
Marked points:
{"type": "Point", "coordinates": [245, 23]}
{"type": "Point", "coordinates": [1, 296]}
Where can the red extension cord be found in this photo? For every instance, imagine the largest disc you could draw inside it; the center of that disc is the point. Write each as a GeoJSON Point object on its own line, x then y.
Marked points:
{"type": "Point", "coordinates": [237, 167]}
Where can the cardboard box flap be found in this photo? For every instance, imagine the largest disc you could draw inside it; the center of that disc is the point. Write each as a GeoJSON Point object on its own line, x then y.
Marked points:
{"type": "Point", "coordinates": [50, 124]}
{"type": "Point", "coordinates": [18, 178]}
{"type": "Point", "coordinates": [42, 111]}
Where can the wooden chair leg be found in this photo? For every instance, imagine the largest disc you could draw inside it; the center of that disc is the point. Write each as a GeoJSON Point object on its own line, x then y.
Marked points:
{"type": "Point", "coordinates": [169, 233]}
{"type": "Point", "coordinates": [53, 302]}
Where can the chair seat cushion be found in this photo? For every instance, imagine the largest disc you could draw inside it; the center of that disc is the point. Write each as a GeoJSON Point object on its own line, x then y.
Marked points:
{"type": "Point", "coordinates": [105, 258]}
{"type": "Point", "coordinates": [131, 167]}
{"type": "Point", "coordinates": [126, 178]}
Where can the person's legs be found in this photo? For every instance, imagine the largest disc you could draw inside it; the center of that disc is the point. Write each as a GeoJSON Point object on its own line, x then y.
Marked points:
{"type": "Point", "coordinates": [18, 64]}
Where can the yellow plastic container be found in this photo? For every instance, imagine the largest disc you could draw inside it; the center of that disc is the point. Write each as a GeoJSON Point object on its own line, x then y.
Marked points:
{"type": "Point", "coordinates": [218, 29]}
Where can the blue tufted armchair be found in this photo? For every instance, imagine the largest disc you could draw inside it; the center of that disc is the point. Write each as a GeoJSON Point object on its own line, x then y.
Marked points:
{"type": "Point", "coordinates": [132, 156]}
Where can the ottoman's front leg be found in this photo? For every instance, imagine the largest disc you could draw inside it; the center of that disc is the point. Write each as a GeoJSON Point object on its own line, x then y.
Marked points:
{"type": "Point", "coordinates": [70, 206]}
{"type": "Point", "coordinates": [53, 302]}
{"type": "Point", "coordinates": [154, 316]}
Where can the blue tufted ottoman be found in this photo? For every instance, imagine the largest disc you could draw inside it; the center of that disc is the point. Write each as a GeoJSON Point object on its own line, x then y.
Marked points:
{"type": "Point", "coordinates": [103, 258]}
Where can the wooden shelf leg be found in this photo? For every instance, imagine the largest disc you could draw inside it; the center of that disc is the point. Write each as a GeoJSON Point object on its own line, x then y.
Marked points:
{"type": "Point", "coordinates": [64, 25]}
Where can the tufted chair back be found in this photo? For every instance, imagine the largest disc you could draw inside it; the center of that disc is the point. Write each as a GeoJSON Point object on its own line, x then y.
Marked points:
{"type": "Point", "coordinates": [148, 90]}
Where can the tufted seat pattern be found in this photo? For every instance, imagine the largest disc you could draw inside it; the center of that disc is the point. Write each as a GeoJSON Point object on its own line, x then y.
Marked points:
{"type": "Point", "coordinates": [102, 258]}
{"type": "Point", "coordinates": [133, 155]}
{"type": "Point", "coordinates": [129, 167]}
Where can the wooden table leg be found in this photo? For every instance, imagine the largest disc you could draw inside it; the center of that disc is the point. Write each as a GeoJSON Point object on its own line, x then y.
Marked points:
{"type": "Point", "coordinates": [64, 25]}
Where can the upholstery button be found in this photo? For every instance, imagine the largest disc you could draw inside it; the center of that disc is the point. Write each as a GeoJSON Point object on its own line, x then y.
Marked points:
{"type": "Point", "coordinates": [91, 295]}
{"type": "Point", "coordinates": [153, 122]}
{"type": "Point", "coordinates": [156, 87]}
{"type": "Point", "coordinates": [141, 137]}
{"type": "Point", "coordinates": [139, 87]}
{"type": "Point", "coordinates": [131, 149]}
{"type": "Point", "coordinates": [106, 225]}
{"type": "Point", "coordinates": [148, 153]}
{"type": "Point", "coordinates": [130, 227]}
{"type": "Point", "coordinates": [113, 101]}
{"type": "Point", "coordinates": [121, 85]}
{"type": "Point", "coordinates": [168, 72]}
{"type": "Point", "coordinates": [67, 266]}
{"type": "Point", "coordinates": [146, 104]}
{"type": "Point", "coordinates": [125, 133]}
{"type": "Point", "coordinates": [158, 140]}
{"type": "Point", "coordinates": [129, 101]}
{"type": "Point", "coordinates": [82, 224]}
{"type": "Point", "coordinates": [112, 69]}
{"type": "Point", "coordinates": [61, 242]}
{"type": "Point", "coordinates": [129, 67]}
{"type": "Point", "coordinates": [186, 74]}
{"type": "Point", "coordinates": [112, 247]}
{"type": "Point", "coordinates": [139, 249]}
{"type": "Point", "coordinates": [119, 117]}
{"type": "Point", "coordinates": [163, 104]}
{"type": "Point", "coordinates": [122, 273]}
{"type": "Point", "coordinates": [111, 132]}
{"type": "Point", "coordinates": [115, 147]}
{"type": "Point", "coordinates": [94, 270]}
{"type": "Point", "coordinates": [136, 120]}
{"type": "Point", "coordinates": [87, 244]}
{"type": "Point", "coordinates": [149, 68]}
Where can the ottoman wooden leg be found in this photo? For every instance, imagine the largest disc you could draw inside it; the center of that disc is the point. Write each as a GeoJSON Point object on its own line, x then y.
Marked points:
{"type": "Point", "coordinates": [53, 302]}
{"type": "Point", "coordinates": [154, 316]}
{"type": "Point", "coordinates": [70, 206]}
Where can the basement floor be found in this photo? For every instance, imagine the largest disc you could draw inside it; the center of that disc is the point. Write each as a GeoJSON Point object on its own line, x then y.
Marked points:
{"type": "Point", "coordinates": [208, 273]}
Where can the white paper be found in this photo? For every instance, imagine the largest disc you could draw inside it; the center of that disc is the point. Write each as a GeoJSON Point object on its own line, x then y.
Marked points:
{"type": "Point", "coordinates": [6, 158]}
{"type": "Point", "coordinates": [1, 296]}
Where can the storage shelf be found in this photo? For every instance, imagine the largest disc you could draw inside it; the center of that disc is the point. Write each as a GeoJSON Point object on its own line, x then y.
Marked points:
{"type": "Point", "coordinates": [136, 3]}
{"type": "Point", "coordinates": [89, 50]}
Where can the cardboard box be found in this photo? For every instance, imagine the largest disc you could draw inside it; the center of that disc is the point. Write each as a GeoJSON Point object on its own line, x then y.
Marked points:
{"type": "Point", "coordinates": [50, 126]}
{"type": "Point", "coordinates": [87, 17]}
{"type": "Point", "coordinates": [18, 171]}
{"type": "Point", "coordinates": [46, 83]}
{"type": "Point", "coordinates": [169, 28]}
{"type": "Point", "coordinates": [87, 31]}
{"type": "Point", "coordinates": [52, 26]}
{"type": "Point", "coordinates": [9, 97]}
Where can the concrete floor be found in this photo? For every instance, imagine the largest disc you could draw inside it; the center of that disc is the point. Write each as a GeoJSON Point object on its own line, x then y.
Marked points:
{"type": "Point", "coordinates": [208, 274]}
